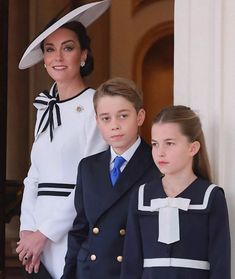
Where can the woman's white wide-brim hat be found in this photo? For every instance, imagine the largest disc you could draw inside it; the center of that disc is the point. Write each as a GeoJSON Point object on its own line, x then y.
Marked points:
{"type": "Point", "coordinates": [85, 14]}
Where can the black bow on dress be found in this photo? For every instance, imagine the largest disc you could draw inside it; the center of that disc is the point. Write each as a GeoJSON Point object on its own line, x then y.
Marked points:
{"type": "Point", "coordinates": [48, 102]}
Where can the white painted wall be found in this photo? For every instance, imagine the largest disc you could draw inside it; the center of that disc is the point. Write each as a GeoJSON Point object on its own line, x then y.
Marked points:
{"type": "Point", "coordinates": [205, 81]}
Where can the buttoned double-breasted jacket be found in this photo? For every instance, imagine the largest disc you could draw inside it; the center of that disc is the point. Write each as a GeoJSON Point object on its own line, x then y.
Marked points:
{"type": "Point", "coordinates": [95, 244]}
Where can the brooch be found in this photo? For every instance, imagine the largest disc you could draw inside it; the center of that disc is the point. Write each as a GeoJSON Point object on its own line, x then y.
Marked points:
{"type": "Point", "coordinates": [79, 108]}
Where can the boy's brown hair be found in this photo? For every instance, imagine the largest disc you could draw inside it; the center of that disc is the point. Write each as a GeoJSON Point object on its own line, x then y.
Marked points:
{"type": "Point", "coordinates": [120, 87]}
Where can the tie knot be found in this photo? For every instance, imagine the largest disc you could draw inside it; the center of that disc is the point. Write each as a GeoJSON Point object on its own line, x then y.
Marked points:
{"type": "Point", "coordinates": [118, 162]}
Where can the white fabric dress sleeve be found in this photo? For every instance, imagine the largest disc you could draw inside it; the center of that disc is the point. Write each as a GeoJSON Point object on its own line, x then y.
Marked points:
{"type": "Point", "coordinates": [94, 141]}
{"type": "Point", "coordinates": [61, 221]}
{"type": "Point", "coordinates": [27, 220]}
{"type": "Point", "coordinates": [57, 223]}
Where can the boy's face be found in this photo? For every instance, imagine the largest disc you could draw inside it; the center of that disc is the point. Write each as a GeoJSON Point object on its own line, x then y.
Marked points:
{"type": "Point", "coordinates": [118, 122]}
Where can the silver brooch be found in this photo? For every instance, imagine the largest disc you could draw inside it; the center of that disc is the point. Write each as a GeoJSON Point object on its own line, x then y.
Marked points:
{"type": "Point", "coordinates": [79, 108]}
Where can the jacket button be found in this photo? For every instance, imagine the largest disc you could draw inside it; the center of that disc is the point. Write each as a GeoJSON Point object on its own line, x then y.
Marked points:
{"type": "Point", "coordinates": [96, 230]}
{"type": "Point", "coordinates": [93, 257]}
{"type": "Point", "coordinates": [122, 232]}
{"type": "Point", "coordinates": [119, 259]}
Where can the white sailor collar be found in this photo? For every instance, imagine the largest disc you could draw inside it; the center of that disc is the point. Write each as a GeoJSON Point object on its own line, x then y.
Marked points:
{"type": "Point", "coordinates": [168, 209]}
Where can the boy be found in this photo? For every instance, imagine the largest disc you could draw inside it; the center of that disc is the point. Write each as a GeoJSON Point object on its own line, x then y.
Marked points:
{"type": "Point", "coordinates": [103, 189]}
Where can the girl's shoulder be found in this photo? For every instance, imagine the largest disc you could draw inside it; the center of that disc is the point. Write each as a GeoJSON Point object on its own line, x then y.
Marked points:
{"type": "Point", "coordinates": [148, 191]}
{"type": "Point", "coordinates": [201, 189]}
{"type": "Point", "coordinates": [202, 194]}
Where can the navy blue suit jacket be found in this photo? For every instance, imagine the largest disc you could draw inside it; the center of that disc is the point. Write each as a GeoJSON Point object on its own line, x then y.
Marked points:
{"type": "Point", "coordinates": [95, 244]}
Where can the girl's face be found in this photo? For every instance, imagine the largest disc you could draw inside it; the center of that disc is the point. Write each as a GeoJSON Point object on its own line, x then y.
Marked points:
{"type": "Point", "coordinates": [171, 150]}
{"type": "Point", "coordinates": [118, 122]}
{"type": "Point", "coordinates": [63, 55]}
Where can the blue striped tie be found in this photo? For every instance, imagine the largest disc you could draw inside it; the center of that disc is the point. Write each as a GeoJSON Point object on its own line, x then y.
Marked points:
{"type": "Point", "coordinates": [118, 162]}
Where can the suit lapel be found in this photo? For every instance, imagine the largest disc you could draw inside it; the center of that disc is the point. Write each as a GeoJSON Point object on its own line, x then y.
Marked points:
{"type": "Point", "coordinates": [135, 169]}
{"type": "Point", "coordinates": [101, 191]}
{"type": "Point", "coordinates": [106, 195]}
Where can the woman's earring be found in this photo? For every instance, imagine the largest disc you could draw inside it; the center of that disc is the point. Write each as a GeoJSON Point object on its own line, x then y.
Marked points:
{"type": "Point", "coordinates": [82, 63]}
{"type": "Point", "coordinates": [45, 65]}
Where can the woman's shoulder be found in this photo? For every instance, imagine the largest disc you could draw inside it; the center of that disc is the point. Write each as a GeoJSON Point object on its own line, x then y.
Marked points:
{"type": "Point", "coordinates": [86, 96]}
{"type": "Point", "coordinates": [88, 92]}
{"type": "Point", "coordinates": [50, 94]}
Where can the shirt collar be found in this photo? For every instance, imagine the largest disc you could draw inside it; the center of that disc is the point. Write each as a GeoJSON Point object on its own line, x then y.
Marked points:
{"type": "Point", "coordinates": [128, 153]}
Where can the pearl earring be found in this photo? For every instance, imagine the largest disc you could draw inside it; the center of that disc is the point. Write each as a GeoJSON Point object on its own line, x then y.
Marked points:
{"type": "Point", "coordinates": [45, 65]}
{"type": "Point", "coordinates": [82, 63]}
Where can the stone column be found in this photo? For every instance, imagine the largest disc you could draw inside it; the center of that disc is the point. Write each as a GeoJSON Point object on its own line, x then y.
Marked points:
{"type": "Point", "coordinates": [204, 80]}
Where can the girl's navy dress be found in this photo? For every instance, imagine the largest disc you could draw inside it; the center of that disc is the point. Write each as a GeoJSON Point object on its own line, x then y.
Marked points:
{"type": "Point", "coordinates": [186, 237]}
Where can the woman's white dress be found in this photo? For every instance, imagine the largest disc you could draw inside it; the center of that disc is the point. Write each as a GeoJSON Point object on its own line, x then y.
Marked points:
{"type": "Point", "coordinates": [48, 199]}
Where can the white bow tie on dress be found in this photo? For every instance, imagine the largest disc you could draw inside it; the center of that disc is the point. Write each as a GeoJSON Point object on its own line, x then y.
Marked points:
{"type": "Point", "coordinates": [169, 230]}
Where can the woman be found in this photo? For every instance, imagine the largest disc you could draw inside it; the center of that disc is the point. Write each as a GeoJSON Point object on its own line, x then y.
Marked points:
{"type": "Point", "coordinates": [65, 132]}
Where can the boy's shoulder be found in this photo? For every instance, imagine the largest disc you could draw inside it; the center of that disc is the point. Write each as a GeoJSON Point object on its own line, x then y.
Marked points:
{"type": "Point", "coordinates": [142, 153]}
{"type": "Point", "coordinates": [97, 156]}
{"type": "Point", "coordinates": [143, 147]}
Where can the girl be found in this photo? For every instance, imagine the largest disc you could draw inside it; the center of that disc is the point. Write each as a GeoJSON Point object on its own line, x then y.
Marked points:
{"type": "Point", "coordinates": [178, 226]}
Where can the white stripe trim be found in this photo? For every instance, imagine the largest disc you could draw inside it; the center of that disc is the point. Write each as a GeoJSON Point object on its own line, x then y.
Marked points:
{"type": "Point", "coordinates": [205, 200]}
{"type": "Point", "coordinates": [141, 205]}
{"type": "Point", "coordinates": [202, 206]}
{"type": "Point", "coordinates": [174, 262]}
{"type": "Point", "coordinates": [55, 189]}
